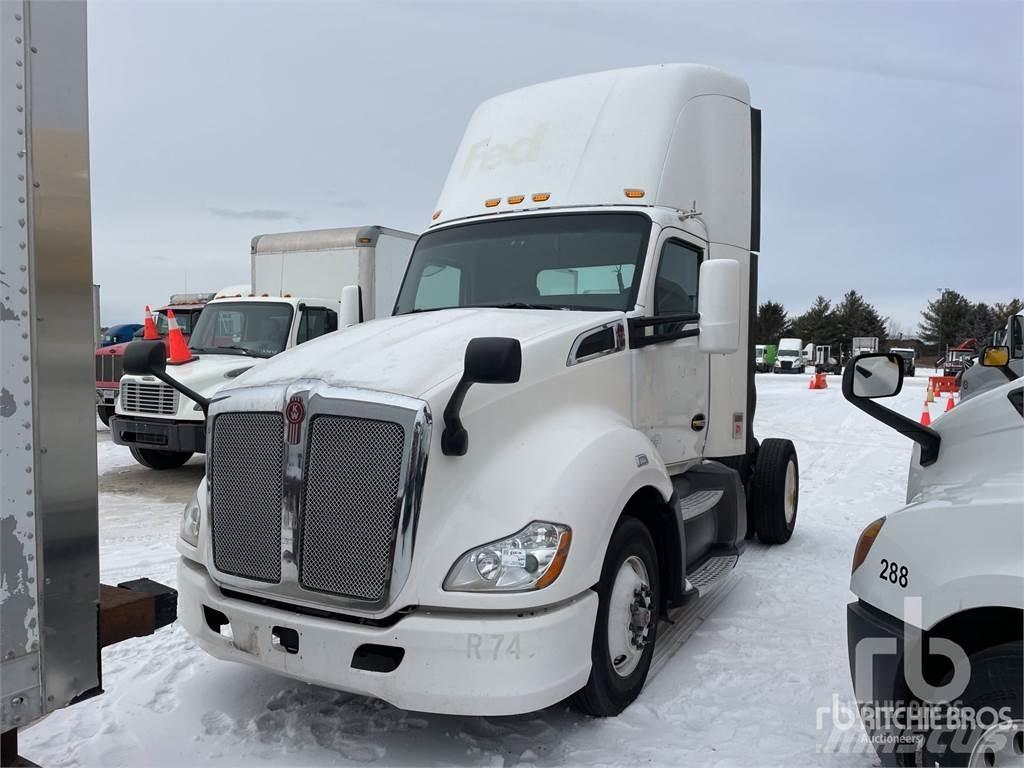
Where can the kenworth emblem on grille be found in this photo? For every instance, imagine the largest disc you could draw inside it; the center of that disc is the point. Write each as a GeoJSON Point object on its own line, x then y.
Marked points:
{"type": "Point", "coordinates": [294, 413]}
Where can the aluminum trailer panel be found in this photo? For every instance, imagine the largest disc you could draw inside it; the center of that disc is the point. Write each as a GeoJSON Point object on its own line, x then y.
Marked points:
{"type": "Point", "coordinates": [48, 512]}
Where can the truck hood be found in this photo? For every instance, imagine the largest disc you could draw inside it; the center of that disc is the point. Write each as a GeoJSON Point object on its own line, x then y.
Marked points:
{"type": "Point", "coordinates": [412, 354]}
{"type": "Point", "coordinates": [206, 374]}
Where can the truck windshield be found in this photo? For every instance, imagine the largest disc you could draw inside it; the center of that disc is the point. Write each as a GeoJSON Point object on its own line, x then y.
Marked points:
{"type": "Point", "coordinates": [590, 261]}
{"type": "Point", "coordinates": [184, 317]}
{"type": "Point", "coordinates": [255, 328]}
{"type": "Point", "coordinates": [788, 352]}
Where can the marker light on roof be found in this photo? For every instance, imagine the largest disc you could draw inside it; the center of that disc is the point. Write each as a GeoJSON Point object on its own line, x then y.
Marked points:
{"type": "Point", "coordinates": [540, 197]}
{"type": "Point", "coordinates": [492, 202]}
{"type": "Point", "coordinates": [437, 215]}
{"type": "Point", "coordinates": [516, 199]}
{"type": "Point", "coordinates": [634, 194]}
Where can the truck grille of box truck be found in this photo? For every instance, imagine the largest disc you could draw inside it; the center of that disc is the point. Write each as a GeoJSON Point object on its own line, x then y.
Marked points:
{"type": "Point", "coordinates": [246, 489]}
{"type": "Point", "coordinates": [148, 398]}
{"type": "Point", "coordinates": [350, 517]}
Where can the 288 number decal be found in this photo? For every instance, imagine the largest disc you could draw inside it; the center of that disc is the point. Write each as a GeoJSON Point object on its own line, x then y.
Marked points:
{"type": "Point", "coordinates": [894, 573]}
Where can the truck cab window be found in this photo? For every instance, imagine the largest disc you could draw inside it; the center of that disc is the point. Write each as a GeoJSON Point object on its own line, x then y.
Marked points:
{"type": "Point", "coordinates": [315, 322]}
{"type": "Point", "coordinates": [257, 329]}
{"type": "Point", "coordinates": [675, 286]}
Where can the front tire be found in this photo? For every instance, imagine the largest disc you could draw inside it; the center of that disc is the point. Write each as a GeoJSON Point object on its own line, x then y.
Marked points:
{"type": "Point", "coordinates": [996, 682]}
{"type": "Point", "coordinates": [105, 412]}
{"type": "Point", "coordinates": [627, 622]}
{"type": "Point", "coordinates": [147, 457]}
{"type": "Point", "coordinates": [775, 491]}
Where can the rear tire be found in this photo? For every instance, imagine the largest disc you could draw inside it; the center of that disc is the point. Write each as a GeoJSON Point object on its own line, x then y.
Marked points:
{"type": "Point", "coordinates": [152, 459]}
{"type": "Point", "coordinates": [775, 491]}
{"type": "Point", "coordinates": [628, 595]}
{"type": "Point", "coordinates": [105, 412]}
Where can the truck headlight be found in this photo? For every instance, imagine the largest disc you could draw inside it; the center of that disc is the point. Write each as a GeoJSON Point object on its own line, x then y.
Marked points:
{"type": "Point", "coordinates": [530, 559]}
{"type": "Point", "coordinates": [190, 521]}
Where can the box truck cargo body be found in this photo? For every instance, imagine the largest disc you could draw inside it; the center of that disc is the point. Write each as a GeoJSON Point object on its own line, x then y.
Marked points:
{"type": "Point", "coordinates": [304, 285]}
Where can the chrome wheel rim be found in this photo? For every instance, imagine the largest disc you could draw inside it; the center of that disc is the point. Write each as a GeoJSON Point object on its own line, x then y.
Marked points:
{"type": "Point", "coordinates": [790, 501]}
{"type": "Point", "coordinates": [630, 614]}
{"type": "Point", "coordinates": [1001, 745]}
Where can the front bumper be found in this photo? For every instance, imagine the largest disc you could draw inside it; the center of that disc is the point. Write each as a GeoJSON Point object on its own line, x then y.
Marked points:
{"type": "Point", "coordinates": [454, 663]}
{"type": "Point", "coordinates": [159, 435]}
{"type": "Point", "coordinates": [878, 676]}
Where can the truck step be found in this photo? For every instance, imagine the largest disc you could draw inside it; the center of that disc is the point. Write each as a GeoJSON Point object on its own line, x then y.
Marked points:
{"type": "Point", "coordinates": [710, 574]}
{"type": "Point", "coordinates": [698, 503]}
{"type": "Point", "coordinates": [687, 620]}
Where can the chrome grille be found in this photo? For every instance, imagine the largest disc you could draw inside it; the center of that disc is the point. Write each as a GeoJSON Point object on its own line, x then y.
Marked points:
{"type": "Point", "coordinates": [246, 487]}
{"type": "Point", "coordinates": [108, 368]}
{"type": "Point", "coordinates": [148, 398]}
{"type": "Point", "coordinates": [351, 511]}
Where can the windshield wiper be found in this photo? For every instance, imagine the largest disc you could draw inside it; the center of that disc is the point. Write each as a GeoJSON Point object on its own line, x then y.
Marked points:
{"type": "Point", "coordinates": [225, 350]}
{"type": "Point", "coordinates": [516, 305]}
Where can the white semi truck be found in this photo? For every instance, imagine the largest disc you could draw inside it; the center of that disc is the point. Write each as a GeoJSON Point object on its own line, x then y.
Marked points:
{"type": "Point", "coordinates": [484, 504]}
{"type": "Point", "coordinates": [935, 635]}
{"type": "Point", "coordinates": [304, 285]}
{"type": "Point", "coordinates": [790, 358]}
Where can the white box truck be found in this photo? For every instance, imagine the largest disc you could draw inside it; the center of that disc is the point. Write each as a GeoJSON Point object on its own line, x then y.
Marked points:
{"type": "Point", "coordinates": [483, 504]}
{"type": "Point", "coordinates": [790, 357]}
{"type": "Point", "coordinates": [304, 285]}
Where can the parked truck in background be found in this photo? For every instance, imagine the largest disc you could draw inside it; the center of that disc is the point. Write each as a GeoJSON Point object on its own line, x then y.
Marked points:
{"type": "Point", "coordinates": [790, 357]}
{"type": "Point", "coordinates": [121, 333]}
{"type": "Point", "coordinates": [484, 504]}
{"type": "Point", "coordinates": [978, 378]}
{"type": "Point", "coordinates": [909, 356]}
{"type": "Point", "coordinates": [304, 285]}
{"type": "Point", "coordinates": [186, 307]}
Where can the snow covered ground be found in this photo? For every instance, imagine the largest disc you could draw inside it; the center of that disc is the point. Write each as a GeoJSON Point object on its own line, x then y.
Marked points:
{"type": "Point", "coordinates": [745, 690]}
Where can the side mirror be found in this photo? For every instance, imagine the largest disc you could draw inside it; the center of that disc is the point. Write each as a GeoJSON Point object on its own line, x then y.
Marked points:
{"type": "Point", "coordinates": [490, 360]}
{"type": "Point", "coordinates": [995, 357]}
{"type": "Point", "coordinates": [998, 357]}
{"type": "Point", "coordinates": [719, 306]}
{"type": "Point", "coordinates": [351, 306]}
{"type": "Point", "coordinates": [145, 358]}
{"type": "Point", "coordinates": [880, 374]}
{"type": "Point", "coordinates": [149, 358]}
{"type": "Point", "coordinates": [877, 375]}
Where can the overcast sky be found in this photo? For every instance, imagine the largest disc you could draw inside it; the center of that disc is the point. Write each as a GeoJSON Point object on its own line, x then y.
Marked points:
{"type": "Point", "coordinates": [892, 157]}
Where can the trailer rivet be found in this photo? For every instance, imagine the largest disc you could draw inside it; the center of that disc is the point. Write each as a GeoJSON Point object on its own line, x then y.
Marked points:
{"type": "Point", "coordinates": [18, 62]}
{"type": "Point", "coordinates": [30, 558]}
{"type": "Point", "coordinates": [17, 40]}
{"type": "Point", "coordinates": [21, 177]}
{"type": "Point", "coordinates": [20, 108]}
{"type": "Point", "coordinates": [24, 290]}
{"type": "Point", "coordinates": [21, 153]}
{"type": "Point", "coordinates": [25, 358]}
{"type": "Point", "coordinates": [21, 131]}
{"type": "Point", "coordinates": [17, 719]}
{"type": "Point", "coordinates": [17, 17]}
{"type": "Point", "coordinates": [17, 701]}
{"type": "Point", "coordinates": [21, 199]}
{"type": "Point", "coordinates": [23, 267]}
{"type": "Point", "coordinates": [18, 86]}
{"type": "Point", "coordinates": [35, 185]}
{"type": "Point", "coordinates": [34, 49]}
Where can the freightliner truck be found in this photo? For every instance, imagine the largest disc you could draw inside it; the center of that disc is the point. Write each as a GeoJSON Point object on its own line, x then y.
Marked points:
{"type": "Point", "coordinates": [485, 503]}
{"type": "Point", "coordinates": [304, 284]}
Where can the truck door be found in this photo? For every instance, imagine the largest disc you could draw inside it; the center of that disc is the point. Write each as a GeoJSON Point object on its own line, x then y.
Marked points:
{"type": "Point", "coordinates": [671, 374]}
{"type": "Point", "coordinates": [315, 322]}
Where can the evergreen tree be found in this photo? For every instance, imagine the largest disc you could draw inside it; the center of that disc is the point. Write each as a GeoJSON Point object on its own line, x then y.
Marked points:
{"type": "Point", "coordinates": [856, 317]}
{"type": "Point", "coordinates": [771, 323]}
{"type": "Point", "coordinates": [945, 321]}
{"type": "Point", "coordinates": [981, 323]}
{"type": "Point", "coordinates": [817, 324]}
{"type": "Point", "coordinates": [1003, 312]}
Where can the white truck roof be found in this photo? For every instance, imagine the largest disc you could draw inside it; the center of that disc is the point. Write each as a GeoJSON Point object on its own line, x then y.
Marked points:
{"type": "Point", "coordinates": [680, 133]}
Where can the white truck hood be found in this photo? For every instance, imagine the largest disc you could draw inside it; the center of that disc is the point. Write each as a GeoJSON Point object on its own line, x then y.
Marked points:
{"type": "Point", "coordinates": [412, 354]}
{"type": "Point", "coordinates": [206, 375]}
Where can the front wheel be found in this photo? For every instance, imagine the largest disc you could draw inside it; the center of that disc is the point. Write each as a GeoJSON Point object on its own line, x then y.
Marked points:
{"type": "Point", "coordinates": [775, 491]}
{"type": "Point", "coordinates": [105, 412]}
{"type": "Point", "coordinates": [147, 457]}
{"type": "Point", "coordinates": [995, 693]}
{"type": "Point", "coordinates": [626, 625]}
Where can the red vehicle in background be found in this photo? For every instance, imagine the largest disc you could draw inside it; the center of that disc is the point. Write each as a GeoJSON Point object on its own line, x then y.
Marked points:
{"type": "Point", "coordinates": [186, 306]}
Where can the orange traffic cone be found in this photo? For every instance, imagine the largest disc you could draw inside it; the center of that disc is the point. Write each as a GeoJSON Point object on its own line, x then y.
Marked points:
{"type": "Point", "coordinates": [949, 403]}
{"type": "Point", "coordinates": [149, 333]}
{"type": "Point", "coordinates": [178, 350]}
{"type": "Point", "coordinates": [813, 382]}
{"type": "Point", "coordinates": [926, 419]}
